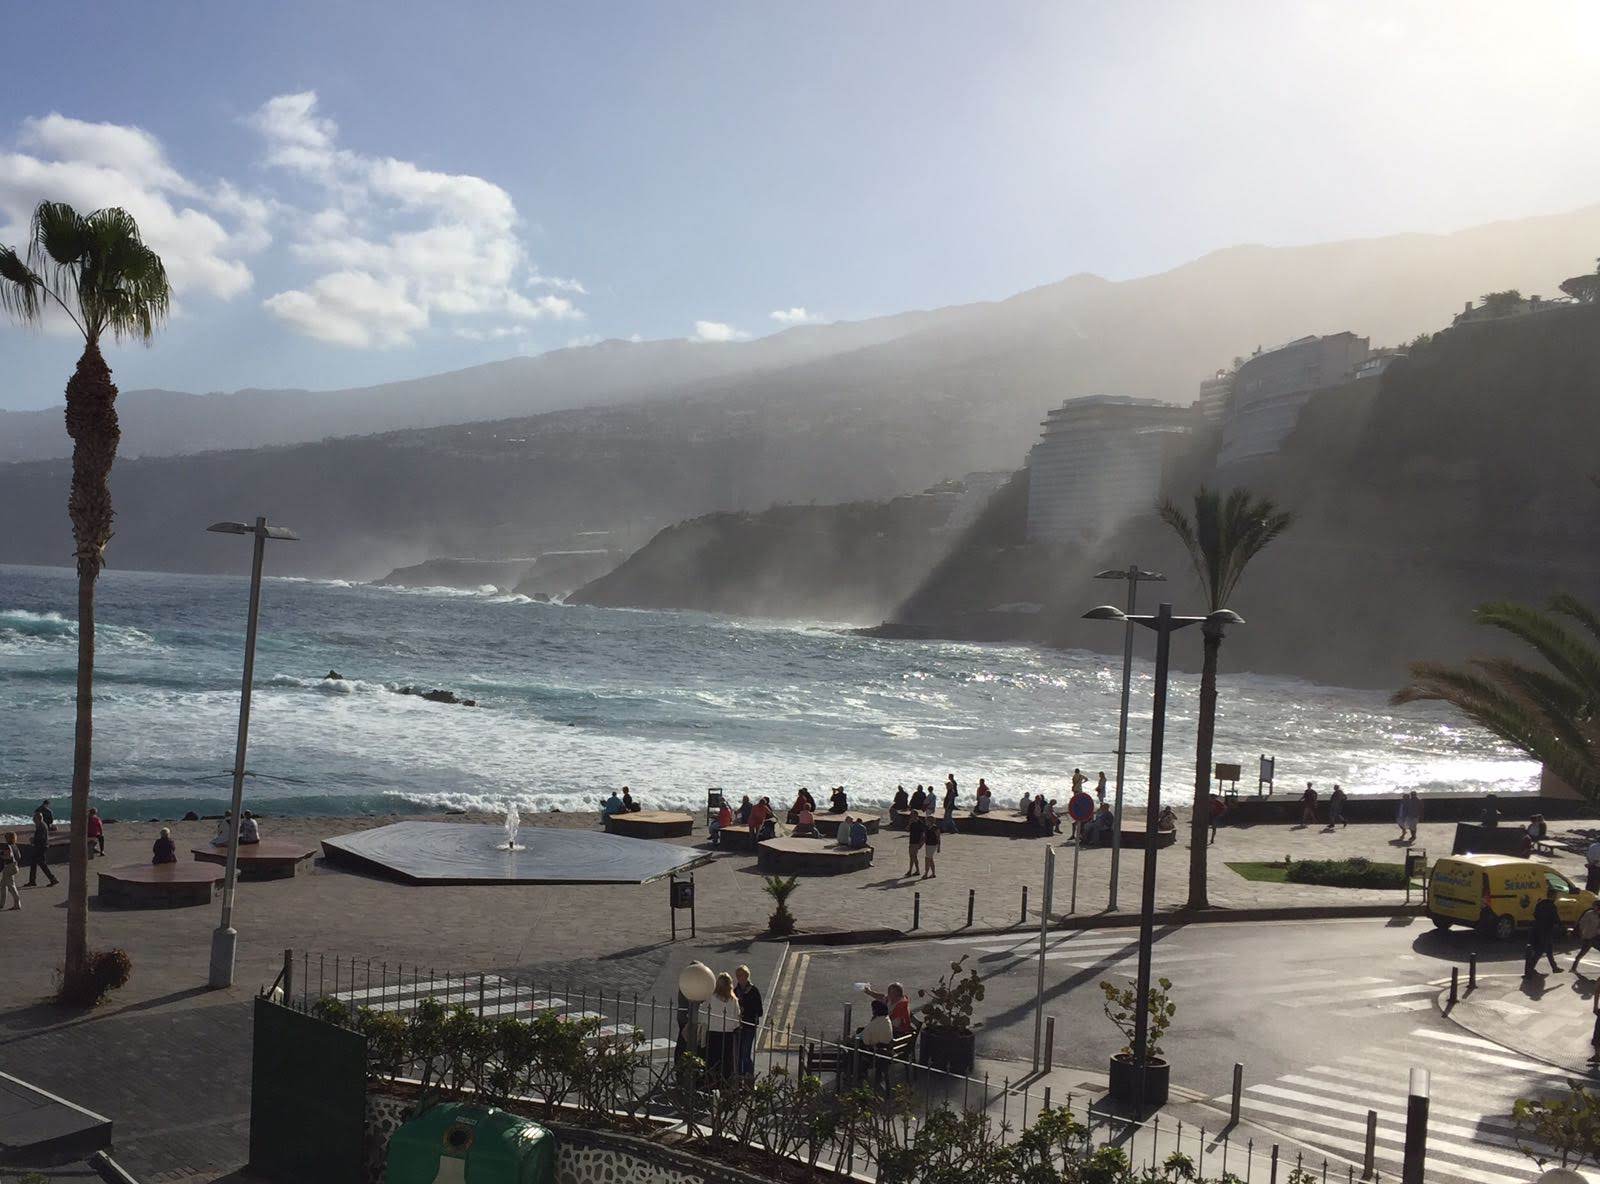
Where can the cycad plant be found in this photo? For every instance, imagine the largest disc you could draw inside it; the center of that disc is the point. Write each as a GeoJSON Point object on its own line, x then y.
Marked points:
{"type": "Point", "coordinates": [1547, 712]}
{"type": "Point", "coordinates": [1224, 535]}
{"type": "Point", "coordinates": [99, 272]}
{"type": "Point", "coordinates": [781, 923]}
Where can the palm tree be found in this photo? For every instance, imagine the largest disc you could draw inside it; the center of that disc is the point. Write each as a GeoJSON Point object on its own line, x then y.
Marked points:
{"type": "Point", "coordinates": [1550, 714]}
{"type": "Point", "coordinates": [99, 271]}
{"type": "Point", "coordinates": [1224, 535]}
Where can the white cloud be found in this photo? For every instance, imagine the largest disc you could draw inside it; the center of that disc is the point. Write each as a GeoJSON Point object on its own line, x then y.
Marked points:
{"type": "Point", "coordinates": [556, 283]}
{"type": "Point", "coordinates": [794, 316]}
{"type": "Point", "coordinates": [200, 232]}
{"type": "Point", "coordinates": [397, 244]}
{"type": "Point", "coordinates": [495, 333]}
{"type": "Point", "coordinates": [716, 331]}
{"type": "Point", "coordinates": [585, 340]}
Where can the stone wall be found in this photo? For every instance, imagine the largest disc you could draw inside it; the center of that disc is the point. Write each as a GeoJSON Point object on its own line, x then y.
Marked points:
{"type": "Point", "coordinates": [583, 1156]}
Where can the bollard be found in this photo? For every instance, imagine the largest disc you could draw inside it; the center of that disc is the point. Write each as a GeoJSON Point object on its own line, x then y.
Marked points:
{"type": "Point", "coordinates": [1416, 1147]}
{"type": "Point", "coordinates": [1530, 962]}
{"type": "Point", "coordinates": [1049, 1042]}
{"type": "Point", "coordinates": [480, 996]}
{"type": "Point", "coordinates": [1472, 970]}
{"type": "Point", "coordinates": [972, 901]}
{"type": "Point", "coordinates": [847, 1026]}
{"type": "Point", "coordinates": [916, 910]}
{"type": "Point", "coordinates": [1238, 1089]}
{"type": "Point", "coordinates": [1274, 1177]}
{"type": "Point", "coordinates": [1455, 982]}
{"type": "Point", "coordinates": [1025, 906]}
{"type": "Point", "coordinates": [288, 975]}
{"type": "Point", "coordinates": [1369, 1162]}
{"type": "Point", "coordinates": [1047, 1097]}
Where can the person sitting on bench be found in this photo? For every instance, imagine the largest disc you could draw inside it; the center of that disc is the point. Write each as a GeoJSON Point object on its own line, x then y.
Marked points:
{"type": "Point", "coordinates": [164, 850]}
{"type": "Point", "coordinates": [918, 800]}
{"type": "Point", "coordinates": [611, 805]}
{"type": "Point", "coordinates": [838, 801]}
{"type": "Point", "coordinates": [902, 801]}
{"type": "Point", "coordinates": [805, 824]}
{"type": "Point", "coordinates": [249, 829]}
{"type": "Point", "coordinates": [880, 1028]}
{"type": "Point", "coordinates": [629, 806]}
{"type": "Point", "coordinates": [853, 834]}
{"type": "Point", "coordinates": [224, 834]}
{"type": "Point", "coordinates": [742, 815]}
{"type": "Point", "coordinates": [1098, 831]}
{"type": "Point", "coordinates": [719, 821]}
{"type": "Point", "coordinates": [985, 801]}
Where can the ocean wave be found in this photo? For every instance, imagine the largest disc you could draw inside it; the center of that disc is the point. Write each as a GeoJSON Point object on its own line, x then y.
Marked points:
{"type": "Point", "coordinates": [333, 686]}
{"type": "Point", "coordinates": [323, 583]}
{"type": "Point", "coordinates": [21, 628]}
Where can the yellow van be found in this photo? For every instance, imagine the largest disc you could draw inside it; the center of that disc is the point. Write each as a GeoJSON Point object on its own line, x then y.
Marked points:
{"type": "Point", "coordinates": [1498, 892]}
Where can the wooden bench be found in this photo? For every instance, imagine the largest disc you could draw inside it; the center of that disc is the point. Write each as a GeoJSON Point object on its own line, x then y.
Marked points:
{"type": "Point", "coordinates": [811, 857]}
{"type": "Point", "coordinates": [1135, 838]}
{"type": "Point", "coordinates": [828, 824]}
{"type": "Point", "coordinates": [1005, 824]}
{"type": "Point", "coordinates": [650, 824]}
{"type": "Point", "coordinates": [160, 885]}
{"type": "Point", "coordinates": [270, 859]}
{"type": "Point", "coordinates": [858, 1061]}
{"type": "Point", "coordinates": [736, 838]}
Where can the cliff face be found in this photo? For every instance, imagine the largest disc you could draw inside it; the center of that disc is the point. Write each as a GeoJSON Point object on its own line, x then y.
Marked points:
{"type": "Point", "coordinates": [1462, 475]}
{"type": "Point", "coordinates": [848, 562]}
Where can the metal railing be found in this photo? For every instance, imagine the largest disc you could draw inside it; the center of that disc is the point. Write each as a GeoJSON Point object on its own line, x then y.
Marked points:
{"type": "Point", "coordinates": [1011, 1104]}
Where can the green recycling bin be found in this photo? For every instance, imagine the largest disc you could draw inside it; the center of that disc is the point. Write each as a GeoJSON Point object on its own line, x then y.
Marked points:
{"type": "Point", "coordinates": [453, 1143]}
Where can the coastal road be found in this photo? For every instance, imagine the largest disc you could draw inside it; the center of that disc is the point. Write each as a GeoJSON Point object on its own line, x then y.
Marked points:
{"type": "Point", "coordinates": [1327, 1017]}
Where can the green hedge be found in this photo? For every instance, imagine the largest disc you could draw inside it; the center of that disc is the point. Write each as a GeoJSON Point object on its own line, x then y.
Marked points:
{"type": "Point", "coordinates": [1346, 873]}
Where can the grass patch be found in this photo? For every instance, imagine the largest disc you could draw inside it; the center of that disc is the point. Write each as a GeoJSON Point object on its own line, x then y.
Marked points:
{"type": "Point", "coordinates": [1327, 873]}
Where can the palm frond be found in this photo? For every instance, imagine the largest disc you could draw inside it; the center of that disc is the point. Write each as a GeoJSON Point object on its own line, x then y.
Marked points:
{"type": "Point", "coordinates": [20, 288]}
{"type": "Point", "coordinates": [1224, 535]}
{"type": "Point", "coordinates": [1561, 707]}
{"type": "Point", "coordinates": [1570, 606]}
{"type": "Point", "coordinates": [1567, 654]}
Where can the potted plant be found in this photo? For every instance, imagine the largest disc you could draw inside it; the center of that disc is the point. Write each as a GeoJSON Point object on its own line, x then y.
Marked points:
{"type": "Point", "coordinates": [946, 1034]}
{"type": "Point", "coordinates": [1120, 1007]}
{"type": "Point", "coordinates": [781, 922]}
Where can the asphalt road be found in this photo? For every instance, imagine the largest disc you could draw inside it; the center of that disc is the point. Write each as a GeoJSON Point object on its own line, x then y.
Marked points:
{"type": "Point", "coordinates": [1327, 1017]}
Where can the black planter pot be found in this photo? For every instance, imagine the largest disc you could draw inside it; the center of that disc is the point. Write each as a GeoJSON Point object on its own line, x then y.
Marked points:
{"type": "Point", "coordinates": [1125, 1080]}
{"type": "Point", "coordinates": [947, 1049]}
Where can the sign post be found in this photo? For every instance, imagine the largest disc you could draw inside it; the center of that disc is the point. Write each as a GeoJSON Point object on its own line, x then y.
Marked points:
{"type": "Point", "coordinates": [1080, 808]}
{"type": "Point", "coordinates": [682, 897]}
{"type": "Point", "coordinates": [1044, 927]}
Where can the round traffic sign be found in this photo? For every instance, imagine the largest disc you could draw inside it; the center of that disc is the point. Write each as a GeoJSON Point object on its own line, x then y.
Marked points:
{"type": "Point", "coordinates": [1081, 807]}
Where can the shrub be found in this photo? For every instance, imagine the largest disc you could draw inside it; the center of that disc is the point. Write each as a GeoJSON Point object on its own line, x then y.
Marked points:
{"type": "Point", "coordinates": [1346, 873]}
{"type": "Point", "coordinates": [1121, 1008]}
{"type": "Point", "coordinates": [781, 923]}
{"type": "Point", "coordinates": [107, 971]}
{"type": "Point", "coordinates": [951, 1000]}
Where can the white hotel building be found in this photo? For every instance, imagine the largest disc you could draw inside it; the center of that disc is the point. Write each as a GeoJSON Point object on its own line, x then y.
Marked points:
{"type": "Point", "coordinates": [1098, 464]}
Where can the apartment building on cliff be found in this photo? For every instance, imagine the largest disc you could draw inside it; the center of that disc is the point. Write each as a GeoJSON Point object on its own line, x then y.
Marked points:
{"type": "Point", "coordinates": [1271, 388]}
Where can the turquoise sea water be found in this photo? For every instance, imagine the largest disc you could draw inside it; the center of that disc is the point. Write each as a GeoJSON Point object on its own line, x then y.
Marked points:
{"type": "Point", "coordinates": [575, 700]}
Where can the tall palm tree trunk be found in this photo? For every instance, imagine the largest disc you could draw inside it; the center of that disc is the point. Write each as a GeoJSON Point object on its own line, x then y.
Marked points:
{"type": "Point", "coordinates": [92, 424]}
{"type": "Point", "coordinates": [1205, 733]}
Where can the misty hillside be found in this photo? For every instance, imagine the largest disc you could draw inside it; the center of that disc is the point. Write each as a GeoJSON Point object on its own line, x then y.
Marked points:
{"type": "Point", "coordinates": [1156, 336]}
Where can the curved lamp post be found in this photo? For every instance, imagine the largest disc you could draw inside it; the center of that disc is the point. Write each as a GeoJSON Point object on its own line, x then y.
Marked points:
{"type": "Point", "coordinates": [1165, 625]}
{"type": "Point", "coordinates": [224, 939]}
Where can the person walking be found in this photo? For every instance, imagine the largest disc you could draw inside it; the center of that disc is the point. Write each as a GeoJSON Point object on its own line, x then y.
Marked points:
{"type": "Point", "coordinates": [10, 866]}
{"type": "Point", "coordinates": [1591, 857]}
{"type": "Point", "coordinates": [930, 847]}
{"type": "Point", "coordinates": [1336, 808]}
{"type": "Point", "coordinates": [1546, 920]}
{"type": "Point", "coordinates": [950, 795]}
{"type": "Point", "coordinates": [1409, 816]}
{"type": "Point", "coordinates": [749, 996]}
{"type": "Point", "coordinates": [1588, 932]}
{"type": "Point", "coordinates": [97, 832]}
{"type": "Point", "coordinates": [1218, 808]}
{"type": "Point", "coordinates": [916, 832]}
{"type": "Point", "coordinates": [1490, 817]}
{"type": "Point", "coordinates": [1308, 806]}
{"type": "Point", "coordinates": [39, 852]}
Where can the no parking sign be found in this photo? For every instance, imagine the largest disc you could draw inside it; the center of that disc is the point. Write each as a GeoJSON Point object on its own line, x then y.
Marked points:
{"type": "Point", "coordinates": [1080, 807]}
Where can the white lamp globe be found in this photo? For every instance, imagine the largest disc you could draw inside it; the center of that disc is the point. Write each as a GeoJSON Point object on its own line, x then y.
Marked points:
{"type": "Point", "coordinates": [1565, 1176]}
{"type": "Point", "coordinates": [696, 982]}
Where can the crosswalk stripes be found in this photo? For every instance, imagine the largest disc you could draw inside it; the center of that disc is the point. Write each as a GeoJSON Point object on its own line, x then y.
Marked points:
{"type": "Point", "coordinates": [1474, 1083]}
{"type": "Point", "coordinates": [1341, 995]}
{"type": "Point", "coordinates": [490, 996]}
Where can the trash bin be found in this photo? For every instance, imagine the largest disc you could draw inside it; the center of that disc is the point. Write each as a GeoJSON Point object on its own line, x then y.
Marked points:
{"type": "Point", "coordinates": [454, 1143]}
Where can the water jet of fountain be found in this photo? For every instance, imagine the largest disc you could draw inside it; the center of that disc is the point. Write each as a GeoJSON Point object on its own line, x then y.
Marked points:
{"type": "Point", "coordinates": [513, 825]}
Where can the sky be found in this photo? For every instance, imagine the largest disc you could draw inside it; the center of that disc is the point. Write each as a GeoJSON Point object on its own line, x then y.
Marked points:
{"type": "Point", "coordinates": [348, 193]}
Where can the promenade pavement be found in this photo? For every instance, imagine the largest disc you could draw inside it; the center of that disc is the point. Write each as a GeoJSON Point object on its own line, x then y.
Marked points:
{"type": "Point", "coordinates": [168, 1059]}
{"type": "Point", "coordinates": [1549, 1017]}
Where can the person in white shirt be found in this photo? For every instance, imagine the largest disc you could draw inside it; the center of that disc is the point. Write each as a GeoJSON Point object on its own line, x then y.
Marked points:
{"type": "Point", "coordinates": [249, 828]}
{"type": "Point", "coordinates": [1588, 932]}
{"type": "Point", "coordinates": [722, 1028]}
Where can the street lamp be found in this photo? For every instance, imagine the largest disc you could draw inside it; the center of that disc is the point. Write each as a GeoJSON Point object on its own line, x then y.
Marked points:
{"type": "Point", "coordinates": [224, 939]}
{"type": "Point", "coordinates": [1164, 624]}
{"type": "Point", "coordinates": [1133, 575]}
{"type": "Point", "coordinates": [696, 982]}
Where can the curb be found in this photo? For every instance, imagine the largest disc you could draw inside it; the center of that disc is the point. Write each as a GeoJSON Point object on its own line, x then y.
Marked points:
{"type": "Point", "coordinates": [1319, 912]}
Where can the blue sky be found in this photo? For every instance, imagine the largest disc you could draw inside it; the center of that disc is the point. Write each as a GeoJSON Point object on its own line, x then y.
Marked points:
{"type": "Point", "coordinates": [353, 192]}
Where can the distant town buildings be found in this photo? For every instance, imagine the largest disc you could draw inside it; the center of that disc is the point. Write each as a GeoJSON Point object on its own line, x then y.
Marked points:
{"type": "Point", "coordinates": [1098, 463]}
{"type": "Point", "coordinates": [975, 490]}
{"type": "Point", "coordinates": [1216, 396]}
{"type": "Point", "coordinates": [1498, 306]}
{"type": "Point", "coordinates": [1271, 388]}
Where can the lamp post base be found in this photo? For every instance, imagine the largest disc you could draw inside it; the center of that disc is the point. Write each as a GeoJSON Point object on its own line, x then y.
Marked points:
{"type": "Point", "coordinates": [224, 940]}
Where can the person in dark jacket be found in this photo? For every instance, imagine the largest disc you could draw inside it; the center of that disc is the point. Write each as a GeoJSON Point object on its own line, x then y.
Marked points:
{"type": "Point", "coordinates": [916, 832]}
{"type": "Point", "coordinates": [1546, 920]}
{"type": "Point", "coordinates": [838, 801]}
{"type": "Point", "coordinates": [950, 794]}
{"type": "Point", "coordinates": [164, 850]}
{"type": "Point", "coordinates": [902, 800]}
{"type": "Point", "coordinates": [39, 850]}
{"type": "Point", "coordinates": [918, 800]}
{"type": "Point", "coordinates": [749, 996]}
